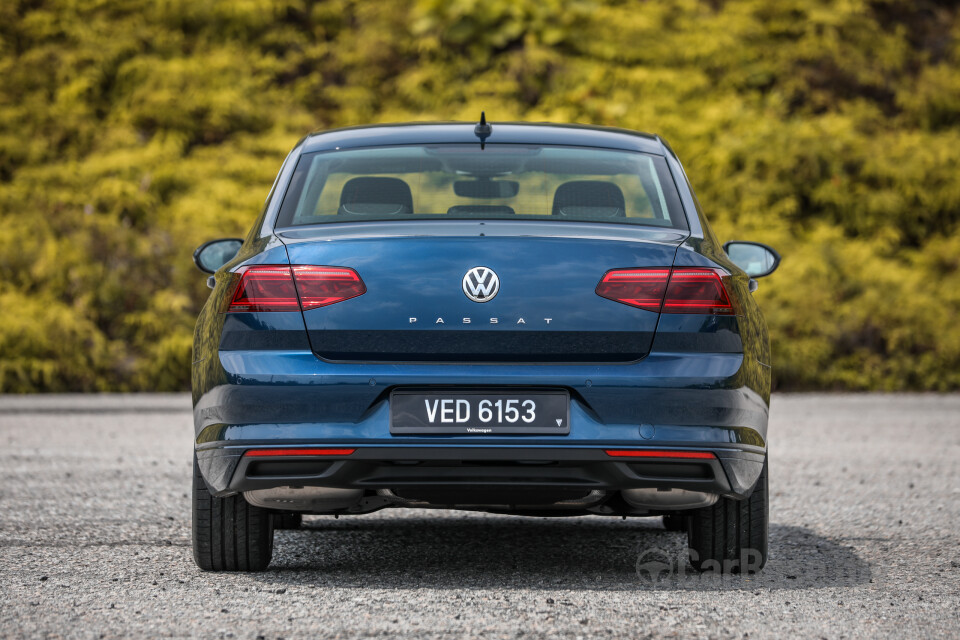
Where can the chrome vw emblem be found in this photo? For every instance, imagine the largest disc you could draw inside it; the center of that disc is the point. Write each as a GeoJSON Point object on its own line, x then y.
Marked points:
{"type": "Point", "coordinates": [481, 284]}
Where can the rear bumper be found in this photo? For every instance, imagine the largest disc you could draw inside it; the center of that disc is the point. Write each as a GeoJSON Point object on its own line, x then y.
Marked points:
{"type": "Point", "coordinates": [715, 402]}
{"type": "Point", "coordinates": [732, 472]}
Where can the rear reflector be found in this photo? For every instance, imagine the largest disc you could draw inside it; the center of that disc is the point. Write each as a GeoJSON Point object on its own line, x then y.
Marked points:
{"type": "Point", "coordinates": [298, 452]}
{"type": "Point", "coordinates": [276, 287]}
{"type": "Point", "coordinates": [677, 290]}
{"type": "Point", "coordinates": [648, 453]}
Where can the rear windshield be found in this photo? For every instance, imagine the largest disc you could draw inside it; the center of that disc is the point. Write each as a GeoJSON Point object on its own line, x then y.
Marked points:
{"type": "Point", "coordinates": [505, 181]}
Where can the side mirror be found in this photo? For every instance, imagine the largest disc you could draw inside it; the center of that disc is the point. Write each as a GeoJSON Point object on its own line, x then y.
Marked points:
{"type": "Point", "coordinates": [212, 255]}
{"type": "Point", "coordinates": [758, 260]}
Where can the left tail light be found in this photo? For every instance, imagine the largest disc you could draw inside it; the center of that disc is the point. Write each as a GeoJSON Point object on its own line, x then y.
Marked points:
{"type": "Point", "coordinates": [284, 288]}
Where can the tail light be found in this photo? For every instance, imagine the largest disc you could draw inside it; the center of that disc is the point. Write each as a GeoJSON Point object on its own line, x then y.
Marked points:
{"type": "Point", "coordinates": [642, 288]}
{"type": "Point", "coordinates": [697, 291]}
{"type": "Point", "coordinates": [283, 288]}
{"type": "Point", "coordinates": [677, 290]}
{"type": "Point", "coordinates": [264, 288]}
{"type": "Point", "coordinates": [321, 286]}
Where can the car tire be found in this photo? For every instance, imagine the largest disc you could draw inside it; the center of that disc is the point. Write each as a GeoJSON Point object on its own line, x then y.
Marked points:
{"type": "Point", "coordinates": [229, 534]}
{"type": "Point", "coordinates": [287, 520]}
{"type": "Point", "coordinates": [675, 523]}
{"type": "Point", "coordinates": [731, 536]}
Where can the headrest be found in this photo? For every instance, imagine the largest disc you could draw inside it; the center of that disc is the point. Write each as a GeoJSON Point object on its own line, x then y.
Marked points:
{"type": "Point", "coordinates": [375, 197]}
{"type": "Point", "coordinates": [589, 199]}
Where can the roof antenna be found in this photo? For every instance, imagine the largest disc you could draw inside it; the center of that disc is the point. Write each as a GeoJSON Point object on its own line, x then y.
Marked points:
{"type": "Point", "coordinates": [483, 130]}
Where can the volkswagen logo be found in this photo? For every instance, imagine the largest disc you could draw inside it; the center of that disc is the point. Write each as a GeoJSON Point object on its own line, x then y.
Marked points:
{"type": "Point", "coordinates": [481, 284]}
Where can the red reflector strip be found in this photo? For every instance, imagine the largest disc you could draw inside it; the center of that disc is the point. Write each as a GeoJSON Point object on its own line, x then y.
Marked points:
{"type": "Point", "coordinates": [647, 453]}
{"type": "Point", "coordinates": [298, 452]}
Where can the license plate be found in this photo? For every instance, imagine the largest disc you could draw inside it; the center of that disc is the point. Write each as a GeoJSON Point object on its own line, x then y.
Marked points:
{"type": "Point", "coordinates": [480, 412]}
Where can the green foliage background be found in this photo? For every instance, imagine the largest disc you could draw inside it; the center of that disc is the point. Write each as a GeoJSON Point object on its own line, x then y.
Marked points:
{"type": "Point", "coordinates": [133, 130]}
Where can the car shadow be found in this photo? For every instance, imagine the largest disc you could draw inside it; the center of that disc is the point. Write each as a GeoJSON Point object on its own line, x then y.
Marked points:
{"type": "Point", "coordinates": [467, 551]}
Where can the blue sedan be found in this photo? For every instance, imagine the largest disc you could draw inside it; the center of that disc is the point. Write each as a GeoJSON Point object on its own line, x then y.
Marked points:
{"type": "Point", "coordinates": [513, 318]}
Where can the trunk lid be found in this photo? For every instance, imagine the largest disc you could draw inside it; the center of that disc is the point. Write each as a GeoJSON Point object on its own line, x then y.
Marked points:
{"type": "Point", "coordinates": [545, 311]}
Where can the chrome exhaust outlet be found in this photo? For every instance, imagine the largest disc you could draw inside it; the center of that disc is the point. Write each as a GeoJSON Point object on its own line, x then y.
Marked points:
{"type": "Point", "coordinates": [669, 499]}
{"type": "Point", "coordinates": [310, 499]}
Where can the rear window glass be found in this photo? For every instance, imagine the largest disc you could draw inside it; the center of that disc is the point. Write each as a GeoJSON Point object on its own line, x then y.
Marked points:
{"type": "Point", "coordinates": [504, 181]}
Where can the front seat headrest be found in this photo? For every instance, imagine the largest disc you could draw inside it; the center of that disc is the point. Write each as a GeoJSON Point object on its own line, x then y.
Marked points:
{"type": "Point", "coordinates": [375, 197]}
{"type": "Point", "coordinates": [589, 199]}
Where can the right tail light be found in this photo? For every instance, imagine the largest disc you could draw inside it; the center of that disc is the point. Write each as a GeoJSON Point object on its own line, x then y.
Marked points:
{"type": "Point", "coordinates": [676, 290]}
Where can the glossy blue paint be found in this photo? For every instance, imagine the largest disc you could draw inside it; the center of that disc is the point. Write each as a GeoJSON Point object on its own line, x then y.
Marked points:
{"type": "Point", "coordinates": [663, 388]}
{"type": "Point", "coordinates": [699, 380]}
{"type": "Point", "coordinates": [546, 284]}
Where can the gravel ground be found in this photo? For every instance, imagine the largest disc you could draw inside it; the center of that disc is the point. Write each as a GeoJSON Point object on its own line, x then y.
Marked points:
{"type": "Point", "coordinates": [95, 542]}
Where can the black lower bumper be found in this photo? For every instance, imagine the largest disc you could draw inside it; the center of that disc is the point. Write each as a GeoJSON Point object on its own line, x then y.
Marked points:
{"type": "Point", "coordinates": [731, 472]}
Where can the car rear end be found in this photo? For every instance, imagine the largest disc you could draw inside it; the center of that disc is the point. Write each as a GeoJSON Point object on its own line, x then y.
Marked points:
{"type": "Point", "coordinates": [542, 329]}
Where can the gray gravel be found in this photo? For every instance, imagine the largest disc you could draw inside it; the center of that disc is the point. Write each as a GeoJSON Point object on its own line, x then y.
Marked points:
{"type": "Point", "coordinates": [95, 542]}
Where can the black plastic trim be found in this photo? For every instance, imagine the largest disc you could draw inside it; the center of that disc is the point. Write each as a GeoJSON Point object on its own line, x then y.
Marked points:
{"type": "Point", "coordinates": [476, 346]}
{"type": "Point", "coordinates": [393, 467]}
{"type": "Point", "coordinates": [268, 340]}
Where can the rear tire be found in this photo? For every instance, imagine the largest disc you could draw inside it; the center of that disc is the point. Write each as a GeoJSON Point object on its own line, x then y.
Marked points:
{"type": "Point", "coordinates": [731, 536]}
{"type": "Point", "coordinates": [229, 534]}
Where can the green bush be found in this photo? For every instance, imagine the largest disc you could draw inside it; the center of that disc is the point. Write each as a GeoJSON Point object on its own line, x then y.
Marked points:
{"type": "Point", "coordinates": [133, 130]}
